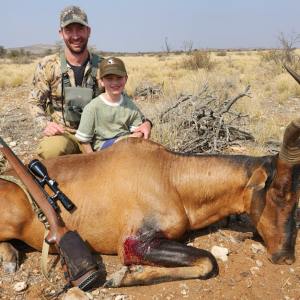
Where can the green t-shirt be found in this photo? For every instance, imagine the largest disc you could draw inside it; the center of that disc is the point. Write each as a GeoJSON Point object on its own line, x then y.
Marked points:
{"type": "Point", "coordinates": [102, 121]}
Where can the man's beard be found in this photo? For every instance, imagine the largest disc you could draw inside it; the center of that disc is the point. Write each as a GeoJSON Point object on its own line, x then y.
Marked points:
{"type": "Point", "coordinates": [79, 51]}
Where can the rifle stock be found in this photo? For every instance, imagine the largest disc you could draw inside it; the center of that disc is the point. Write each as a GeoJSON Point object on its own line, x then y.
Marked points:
{"type": "Point", "coordinates": [59, 235]}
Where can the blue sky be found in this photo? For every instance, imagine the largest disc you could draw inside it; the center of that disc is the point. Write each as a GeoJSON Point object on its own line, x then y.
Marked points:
{"type": "Point", "coordinates": [142, 26]}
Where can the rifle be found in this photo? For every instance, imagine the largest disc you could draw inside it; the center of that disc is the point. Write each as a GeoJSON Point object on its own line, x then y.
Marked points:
{"type": "Point", "coordinates": [80, 267]}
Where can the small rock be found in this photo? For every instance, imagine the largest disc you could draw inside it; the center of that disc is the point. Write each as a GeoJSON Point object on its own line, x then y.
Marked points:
{"type": "Point", "coordinates": [257, 248]}
{"type": "Point", "coordinates": [244, 274]}
{"type": "Point", "coordinates": [89, 296]}
{"type": "Point", "coordinates": [8, 139]}
{"type": "Point", "coordinates": [184, 285]}
{"type": "Point", "coordinates": [20, 286]}
{"type": "Point", "coordinates": [220, 252]}
{"type": "Point", "coordinates": [17, 278]}
{"type": "Point", "coordinates": [254, 270]}
{"type": "Point", "coordinates": [259, 263]}
{"type": "Point", "coordinates": [13, 144]}
{"type": "Point", "coordinates": [96, 293]}
{"type": "Point", "coordinates": [75, 294]}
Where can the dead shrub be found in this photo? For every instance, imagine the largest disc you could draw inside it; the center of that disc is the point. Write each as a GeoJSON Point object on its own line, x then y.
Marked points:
{"type": "Point", "coordinates": [200, 123]}
{"type": "Point", "coordinates": [221, 53]}
{"type": "Point", "coordinates": [22, 60]}
{"type": "Point", "coordinates": [285, 53]}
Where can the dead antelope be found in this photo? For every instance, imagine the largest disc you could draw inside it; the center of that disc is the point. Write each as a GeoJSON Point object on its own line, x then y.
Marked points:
{"type": "Point", "coordinates": [137, 199]}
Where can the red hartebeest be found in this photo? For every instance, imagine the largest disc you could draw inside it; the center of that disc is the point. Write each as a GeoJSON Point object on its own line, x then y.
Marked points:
{"type": "Point", "coordinates": [137, 198]}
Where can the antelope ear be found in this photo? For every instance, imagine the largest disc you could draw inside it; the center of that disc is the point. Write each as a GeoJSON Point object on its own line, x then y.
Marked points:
{"type": "Point", "coordinates": [258, 179]}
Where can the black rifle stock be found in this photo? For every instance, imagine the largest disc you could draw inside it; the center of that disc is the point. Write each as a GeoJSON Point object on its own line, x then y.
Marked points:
{"type": "Point", "coordinates": [70, 246]}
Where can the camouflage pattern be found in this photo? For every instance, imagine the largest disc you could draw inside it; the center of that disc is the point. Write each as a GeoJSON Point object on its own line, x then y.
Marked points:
{"type": "Point", "coordinates": [46, 86]}
{"type": "Point", "coordinates": [73, 14]}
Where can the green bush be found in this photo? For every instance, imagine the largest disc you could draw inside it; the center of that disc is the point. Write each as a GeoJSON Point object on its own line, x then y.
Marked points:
{"type": "Point", "coordinates": [13, 54]}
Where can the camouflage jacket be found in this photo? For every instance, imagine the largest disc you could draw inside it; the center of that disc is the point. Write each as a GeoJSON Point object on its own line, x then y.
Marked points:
{"type": "Point", "coordinates": [46, 89]}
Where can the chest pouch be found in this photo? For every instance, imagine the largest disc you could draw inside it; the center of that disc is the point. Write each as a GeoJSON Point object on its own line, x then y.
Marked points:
{"type": "Point", "coordinates": [76, 98]}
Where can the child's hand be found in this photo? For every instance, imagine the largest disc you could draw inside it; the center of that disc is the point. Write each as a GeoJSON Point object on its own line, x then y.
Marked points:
{"type": "Point", "coordinates": [145, 129]}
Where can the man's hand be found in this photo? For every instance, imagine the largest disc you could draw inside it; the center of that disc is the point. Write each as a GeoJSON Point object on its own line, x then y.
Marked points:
{"type": "Point", "coordinates": [53, 129]}
{"type": "Point", "coordinates": [145, 128]}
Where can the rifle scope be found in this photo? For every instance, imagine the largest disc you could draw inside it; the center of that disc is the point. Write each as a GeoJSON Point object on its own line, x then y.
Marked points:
{"type": "Point", "coordinates": [39, 170]}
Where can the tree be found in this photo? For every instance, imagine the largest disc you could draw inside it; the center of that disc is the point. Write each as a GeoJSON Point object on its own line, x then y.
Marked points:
{"type": "Point", "coordinates": [285, 53]}
{"type": "Point", "coordinates": [168, 48]}
{"type": "Point", "coordinates": [22, 52]}
{"type": "Point", "coordinates": [92, 48]}
{"type": "Point", "coordinates": [13, 54]}
{"type": "Point", "coordinates": [2, 51]}
{"type": "Point", "coordinates": [188, 46]}
{"type": "Point", "coordinates": [288, 45]}
{"type": "Point", "coordinates": [59, 46]}
{"type": "Point", "coordinates": [47, 52]}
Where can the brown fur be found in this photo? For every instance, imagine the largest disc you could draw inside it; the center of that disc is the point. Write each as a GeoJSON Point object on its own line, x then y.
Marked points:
{"type": "Point", "coordinates": [138, 185]}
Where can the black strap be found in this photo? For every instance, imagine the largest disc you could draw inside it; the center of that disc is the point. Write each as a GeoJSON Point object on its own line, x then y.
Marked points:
{"type": "Point", "coordinates": [64, 70]}
{"type": "Point", "coordinates": [62, 101]}
{"type": "Point", "coordinates": [147, 120]}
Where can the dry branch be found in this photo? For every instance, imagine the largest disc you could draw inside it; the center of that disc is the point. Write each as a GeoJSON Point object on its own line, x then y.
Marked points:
{"type": "Point", "coordinates": [202, 123]}
{"type": "Point", "coordinates": [148, 92]}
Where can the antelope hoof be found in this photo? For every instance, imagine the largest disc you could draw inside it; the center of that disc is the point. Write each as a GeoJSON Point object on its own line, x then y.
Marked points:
{"type": "Point", "coordinates": [9, 257]}
{"type": "Point", "coordinates": [116, 278]}
{"type": "Point", "coordinates": [10, 267]}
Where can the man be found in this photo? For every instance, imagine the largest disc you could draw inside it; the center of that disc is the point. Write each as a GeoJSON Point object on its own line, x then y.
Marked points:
{"type": "Point", "coordinates": [56, 88]}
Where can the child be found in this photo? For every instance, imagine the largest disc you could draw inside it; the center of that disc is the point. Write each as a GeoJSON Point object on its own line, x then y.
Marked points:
{"type": "Point", "coordinates": [112, 115]}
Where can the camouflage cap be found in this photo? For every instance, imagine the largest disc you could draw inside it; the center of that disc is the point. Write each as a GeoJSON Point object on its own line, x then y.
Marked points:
{"type": "Point", "coordinates": [112, 65]}
{"type": "Point", "coordinates": [73, 14]}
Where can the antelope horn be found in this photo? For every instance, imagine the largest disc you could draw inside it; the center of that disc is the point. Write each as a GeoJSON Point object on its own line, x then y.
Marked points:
{"type": "Point", "coordinates": [294, 75]}
{"type": "Point", "coordinates": [290, 149]}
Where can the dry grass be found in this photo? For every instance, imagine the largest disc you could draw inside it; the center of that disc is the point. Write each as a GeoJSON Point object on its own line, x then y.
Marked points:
{"type": "Point", "coordinates": [13, 74]}
{"type": "Point", "coordinates": [230, 74]}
